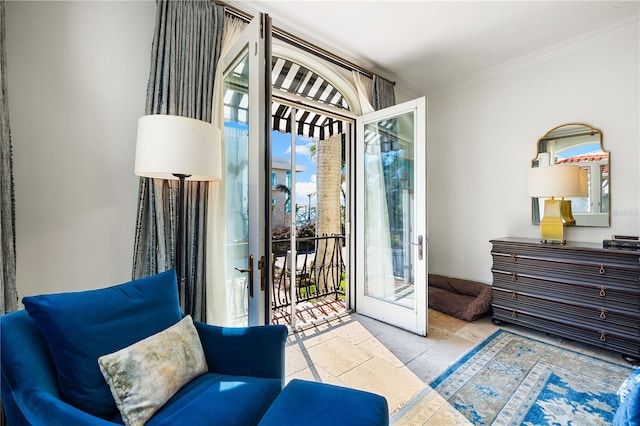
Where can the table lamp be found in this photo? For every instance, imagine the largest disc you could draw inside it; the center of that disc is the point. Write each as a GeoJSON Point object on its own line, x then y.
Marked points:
{"type": "Point", "coordinates": [551, 182]}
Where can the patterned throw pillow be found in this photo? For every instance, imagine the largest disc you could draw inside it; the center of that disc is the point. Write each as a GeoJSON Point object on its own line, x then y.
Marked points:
{"type": "Point", "coordinates": [145, 375]}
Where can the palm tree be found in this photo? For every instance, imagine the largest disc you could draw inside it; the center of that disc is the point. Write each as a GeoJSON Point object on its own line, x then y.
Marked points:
{"type": "Point", "coordinates": [284, 188]}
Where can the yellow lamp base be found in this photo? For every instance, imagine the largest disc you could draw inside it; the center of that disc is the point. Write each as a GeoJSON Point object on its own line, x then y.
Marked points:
{"type": "Point", "coordinates": [551, 225]}
{"type": "Point", "coordinates": [567, 215]}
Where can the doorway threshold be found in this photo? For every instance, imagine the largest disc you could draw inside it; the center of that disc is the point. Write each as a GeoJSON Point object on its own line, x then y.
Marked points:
{"type": "Point", "coordinates": [309, 314]}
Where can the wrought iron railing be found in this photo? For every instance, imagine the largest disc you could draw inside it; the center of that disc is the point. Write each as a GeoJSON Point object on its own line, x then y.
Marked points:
{"type": "Point", "coordinates": [319, 270]}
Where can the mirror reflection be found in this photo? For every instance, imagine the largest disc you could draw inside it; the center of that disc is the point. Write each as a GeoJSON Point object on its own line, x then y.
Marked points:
{"type": "Point", "coordinates": [578, 144]}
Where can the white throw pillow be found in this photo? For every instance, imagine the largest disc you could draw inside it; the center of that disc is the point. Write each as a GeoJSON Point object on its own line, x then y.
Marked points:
{"type": "Point", "coordinates": [144, 376]}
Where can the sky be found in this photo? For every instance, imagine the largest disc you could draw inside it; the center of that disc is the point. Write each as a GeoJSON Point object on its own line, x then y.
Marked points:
{"type": "Point", "coordinates": [281, 147]}
{"type": "Point", "coordinates": [305, 181]}
{"type": "Point", "coordinates": [578, 150]}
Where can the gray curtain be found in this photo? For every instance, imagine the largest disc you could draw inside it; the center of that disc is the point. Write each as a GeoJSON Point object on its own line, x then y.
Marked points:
{"type": "Point", "coordinates": [383, 93]}
{"type": "Point", "coordinates": [8, 291]}
{"type": "Point", "coordinates": [384, 97]}
{"type": "Point", "coordinates": [185, 51]}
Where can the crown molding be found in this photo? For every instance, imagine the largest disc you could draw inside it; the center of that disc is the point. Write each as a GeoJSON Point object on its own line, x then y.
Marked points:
{"type": "Point", "coordinates": [610, 31]}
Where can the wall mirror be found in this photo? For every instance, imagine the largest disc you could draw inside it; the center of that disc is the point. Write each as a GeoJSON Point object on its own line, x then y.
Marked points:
{"type": "Point", "coordinates": [578, 144]}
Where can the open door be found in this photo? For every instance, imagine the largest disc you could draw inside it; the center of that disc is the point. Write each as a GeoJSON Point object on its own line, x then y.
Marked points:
{"type": "Point", "coordinates": [247, 163]}
{"type": "Point", "coordinates": [391, 216]}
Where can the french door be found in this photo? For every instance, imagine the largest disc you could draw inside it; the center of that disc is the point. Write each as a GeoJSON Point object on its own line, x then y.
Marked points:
{"type": "Point", "coordinates": [391, 216]}
{"type": "Point", "coordinates": [247, 157]}
{"type": "Point", "coordinates": [390, 212]}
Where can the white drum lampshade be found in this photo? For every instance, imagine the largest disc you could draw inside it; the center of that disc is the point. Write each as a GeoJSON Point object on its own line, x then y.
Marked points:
{"type": "Point", "coordinates": [554, 181]}
{"type": "Point", "coordinates": [168, 146]}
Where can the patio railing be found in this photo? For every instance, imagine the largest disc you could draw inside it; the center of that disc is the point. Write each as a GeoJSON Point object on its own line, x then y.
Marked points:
{"type": "Point", "coordinates": [319, 270]}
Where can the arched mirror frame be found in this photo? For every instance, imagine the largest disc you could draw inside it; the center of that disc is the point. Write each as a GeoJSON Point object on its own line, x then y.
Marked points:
{"type": "Point", "coordinates": [574, 143]}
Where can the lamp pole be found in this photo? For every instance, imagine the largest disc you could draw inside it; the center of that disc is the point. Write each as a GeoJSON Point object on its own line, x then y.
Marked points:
{"type": "Point", "coordinates": [180, 238]}
{"type": "Point", "coordinates": [309, 208]}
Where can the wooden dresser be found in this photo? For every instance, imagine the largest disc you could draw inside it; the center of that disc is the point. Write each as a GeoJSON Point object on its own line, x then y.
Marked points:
{"type": "Point", "coordinates": [579, 291]}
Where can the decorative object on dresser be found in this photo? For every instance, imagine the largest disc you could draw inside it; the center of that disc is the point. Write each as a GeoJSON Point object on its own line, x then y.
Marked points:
{"type": "Point", "coordinates": [550, 182]}
{"type": "Point", "coordinates": [624, 242]}
{"type": "Point", "coordinates": [579, 291]}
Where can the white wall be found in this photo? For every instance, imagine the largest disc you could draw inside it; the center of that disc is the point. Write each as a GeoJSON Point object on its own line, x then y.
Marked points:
{"type": "Point", "coordinates": [482, 137]}
{"type": "Point", "coordinates": [77, 78]}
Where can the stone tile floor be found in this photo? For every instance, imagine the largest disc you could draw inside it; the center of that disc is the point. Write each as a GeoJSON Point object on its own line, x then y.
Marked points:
{"type": "Point", "coordinates": [359, 352]}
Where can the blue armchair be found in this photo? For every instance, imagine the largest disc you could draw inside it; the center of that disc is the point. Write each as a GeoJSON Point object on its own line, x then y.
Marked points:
{"type": "Point", "coordinates": [628, 412]}
{"type": "Point", "coordinates": [50, 373]}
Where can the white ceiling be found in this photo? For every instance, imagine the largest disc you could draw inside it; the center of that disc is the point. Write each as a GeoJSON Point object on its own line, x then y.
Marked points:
{"type": "Point", "coordinates": [428, 45]}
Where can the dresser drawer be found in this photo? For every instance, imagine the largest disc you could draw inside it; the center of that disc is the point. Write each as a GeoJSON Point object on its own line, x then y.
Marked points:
{"type": "Point", "coordinates": [594, 317]}
{"type": "Point", "coordinates": [598, 272]}
{"type": "Point", "coordinates": [573, 252]}
{"type": "Point", "coordinates": [571, 290]}
{"type": "Point", "coordinates": [627, 345]}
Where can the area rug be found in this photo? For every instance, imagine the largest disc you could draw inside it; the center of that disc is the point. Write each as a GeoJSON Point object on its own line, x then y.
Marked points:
{"type": "Point", "coordinates": [510, 379]}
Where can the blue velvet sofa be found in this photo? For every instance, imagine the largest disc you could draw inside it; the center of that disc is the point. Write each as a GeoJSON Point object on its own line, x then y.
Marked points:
{"type": "Point", "coordinates": [628, 412]}
{"type": "Point", "coordinates": [50, 374]}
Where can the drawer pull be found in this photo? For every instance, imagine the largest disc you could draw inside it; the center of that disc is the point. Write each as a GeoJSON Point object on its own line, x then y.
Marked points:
{"type": "Point", "coordinates": [602, 270]}
{"type": "Point", "coordinates": [514, 314]}
{"type": "Point", "coordinates": [514, 295]}
{"type": "Point", "coordinates": [514, 257]}
{"type": "Point", "coordinates": [514, 276]}
{"type": "Point", "coordinates": [603, 291]}
{"type": "Point", "coordinates": [603, 336]}
{"type": "Point", "coordinates": [603, 314]}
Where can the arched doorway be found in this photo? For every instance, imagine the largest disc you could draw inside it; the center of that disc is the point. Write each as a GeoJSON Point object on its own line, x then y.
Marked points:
{"type": "Point", "coordinates": [312, 112]}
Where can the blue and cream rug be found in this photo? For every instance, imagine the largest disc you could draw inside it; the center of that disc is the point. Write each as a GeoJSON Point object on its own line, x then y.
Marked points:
{"type": "Point", "coordinates": [510, 379]}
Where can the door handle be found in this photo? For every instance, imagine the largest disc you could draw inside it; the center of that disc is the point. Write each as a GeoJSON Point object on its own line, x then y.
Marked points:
{"type": "Point", "coordinates": [261, 268]}
{"type": "Point", "coordinates": [420, 247]}
{"type": "Point", "coordinates": [250, 271]}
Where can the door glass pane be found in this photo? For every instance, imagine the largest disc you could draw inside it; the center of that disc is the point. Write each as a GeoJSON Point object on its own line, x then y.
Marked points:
{"type": "Point", "coordinates": [236, 139]}
{"type": "Point", "coordinates": [389, 210]}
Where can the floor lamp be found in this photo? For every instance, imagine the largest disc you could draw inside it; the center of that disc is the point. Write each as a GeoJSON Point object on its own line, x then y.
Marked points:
{"type": "Point", "coordinates": [173, 147]}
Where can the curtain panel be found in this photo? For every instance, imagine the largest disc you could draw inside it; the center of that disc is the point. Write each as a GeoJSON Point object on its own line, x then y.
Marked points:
{"type": "Point", "coordinates": [185, 51]}
{"type": "Point", "coordinates": [8, 290]}
{"type": "Point", "coordinates": [222, 301]}
{"type": "Point", "coordinates": [364, 88]}
{"type": "Point", "coordinates": [383, 94]}
{"type": "Point", "coordinates": [378, 248]}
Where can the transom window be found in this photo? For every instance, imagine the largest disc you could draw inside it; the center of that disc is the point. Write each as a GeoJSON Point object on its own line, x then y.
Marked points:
{"type": "Point", "coordinates": [297, 80]}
